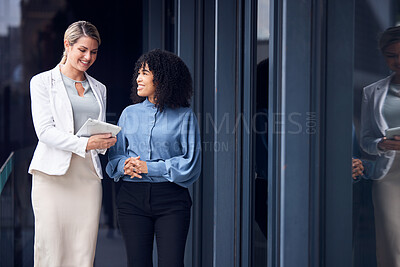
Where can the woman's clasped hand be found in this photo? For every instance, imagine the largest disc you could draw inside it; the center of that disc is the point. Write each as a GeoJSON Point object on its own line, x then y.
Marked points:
{"type": "Point", "coordinates": [134, 166]}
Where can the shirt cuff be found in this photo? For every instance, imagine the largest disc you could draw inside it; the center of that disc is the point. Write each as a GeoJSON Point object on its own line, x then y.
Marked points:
{"type": "Point", "coordinates": [120, 167]}
{"type": "Point", "coordinates": [82, 146]}
{"type": "Point", "coordinates": [379, 151]}
{"type": "Point", "coordinates": [101, 151]}
{"type": "Point", "coordinates": [156, 168]}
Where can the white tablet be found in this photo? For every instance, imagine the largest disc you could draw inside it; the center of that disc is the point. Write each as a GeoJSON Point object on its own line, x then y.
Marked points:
{"type": "Point", "coordinates": [93, 126]}
{"type": "Point", "coordinates": [390, 133]}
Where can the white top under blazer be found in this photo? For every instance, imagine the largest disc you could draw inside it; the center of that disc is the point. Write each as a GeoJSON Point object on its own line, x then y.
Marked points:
{"type": "Point", "coordinates": [54, 124]}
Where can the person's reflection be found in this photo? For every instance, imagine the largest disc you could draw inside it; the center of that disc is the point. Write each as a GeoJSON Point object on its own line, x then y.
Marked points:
{"type": "Point", "coordinates": [380, 111]}
{"type": "Point", "coordinates": [261, 126]}
{"type": "Point", "coordinates": [358, 169]}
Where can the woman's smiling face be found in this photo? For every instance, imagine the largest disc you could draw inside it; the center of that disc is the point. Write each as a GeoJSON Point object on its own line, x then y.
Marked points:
{"type": "Point", "coordinates": [82, 54]}
{"type": "Point", "coordinates": [145, 84]}
{"type": "Point", "coordinates": [392, 57]}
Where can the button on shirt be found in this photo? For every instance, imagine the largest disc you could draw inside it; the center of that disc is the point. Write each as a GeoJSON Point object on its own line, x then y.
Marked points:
{"type": "Point", "coordinates": [169, 142]}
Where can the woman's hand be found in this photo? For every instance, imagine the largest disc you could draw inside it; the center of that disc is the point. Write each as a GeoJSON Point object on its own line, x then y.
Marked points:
{"type": "Point", "coordinates": [134, 167]}
{"type": "Point", "coordinates": [100, 141]}
{"type": "Point", "coordinates": [390, 144]}
{"type": "Point", "coordinates": [358, 168]}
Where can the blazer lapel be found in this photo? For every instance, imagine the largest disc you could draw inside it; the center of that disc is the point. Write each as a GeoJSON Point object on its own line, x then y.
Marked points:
{"type": "Point", "coordinates": [95, 88]}
{"type": "Point", "coordinates": [59, 87]}
{"type": "Point", "coordinates": [380, 93]}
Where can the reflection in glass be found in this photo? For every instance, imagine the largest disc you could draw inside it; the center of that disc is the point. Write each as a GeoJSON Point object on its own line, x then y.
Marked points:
{"type": "Point", "coordinates": [261, 137]}
{"type": "Point", "coordinates": [371, 18]}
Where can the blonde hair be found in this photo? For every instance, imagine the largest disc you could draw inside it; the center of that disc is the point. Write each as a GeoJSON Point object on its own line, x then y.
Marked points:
{"type": "Point", "coordinates": [388, 37]}
{"type": "Point", "coordinates": [77, 30]}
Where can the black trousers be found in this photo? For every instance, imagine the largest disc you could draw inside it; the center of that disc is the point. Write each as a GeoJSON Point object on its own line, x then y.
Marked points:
{"type": "Point", "coordinates": [148, 209]}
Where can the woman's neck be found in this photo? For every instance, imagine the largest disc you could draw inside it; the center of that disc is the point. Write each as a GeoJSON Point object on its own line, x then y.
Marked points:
{"type": "Point", "coordinates": [72, 73]}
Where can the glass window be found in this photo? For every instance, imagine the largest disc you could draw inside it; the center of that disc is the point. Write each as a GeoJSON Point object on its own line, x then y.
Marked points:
{"type": "Point", "coordinates": [261, 136]}
{"type": "Point", "coordinates": [374, 219]}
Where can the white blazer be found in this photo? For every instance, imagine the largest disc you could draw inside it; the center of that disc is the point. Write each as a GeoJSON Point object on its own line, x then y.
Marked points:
{"type": "Point", "coordinates": [373, 126]}
{"type": "Point", "coordinates": [54, 124]}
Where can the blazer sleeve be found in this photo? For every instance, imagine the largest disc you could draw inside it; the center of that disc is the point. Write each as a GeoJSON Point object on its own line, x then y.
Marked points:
{"type": "Point", "coordinates": [44, 123]}
{"type": "Point", "coordinates": [369, 138]}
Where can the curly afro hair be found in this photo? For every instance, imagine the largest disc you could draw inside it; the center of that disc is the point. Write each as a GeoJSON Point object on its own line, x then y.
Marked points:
{"type": "Point", "coordinates": [171, 78]}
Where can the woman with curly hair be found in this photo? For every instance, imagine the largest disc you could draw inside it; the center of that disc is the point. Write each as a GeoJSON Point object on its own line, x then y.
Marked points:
{"type": "Point", "coordinates": [157, 156]}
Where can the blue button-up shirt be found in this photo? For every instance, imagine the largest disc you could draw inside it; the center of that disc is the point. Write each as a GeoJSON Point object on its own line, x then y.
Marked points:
{"type": "Point", "coordinates": [169, 142]}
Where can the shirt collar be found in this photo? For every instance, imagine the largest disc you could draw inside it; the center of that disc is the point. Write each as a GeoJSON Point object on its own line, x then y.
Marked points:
{"type": "Point", "coordinates": [147, 103]}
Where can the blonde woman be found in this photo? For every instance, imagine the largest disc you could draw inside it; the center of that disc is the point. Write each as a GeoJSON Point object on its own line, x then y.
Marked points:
{"type": "Point", "coordinates": [66, 186]}
{"type": "Point", "coordinates": [380, 111]}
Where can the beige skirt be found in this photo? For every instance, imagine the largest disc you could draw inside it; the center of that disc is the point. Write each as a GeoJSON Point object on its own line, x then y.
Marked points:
{"type": "Point", "coordinates": [67, 212]}
{"type": "Point", "coordinates": [386, 199]}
